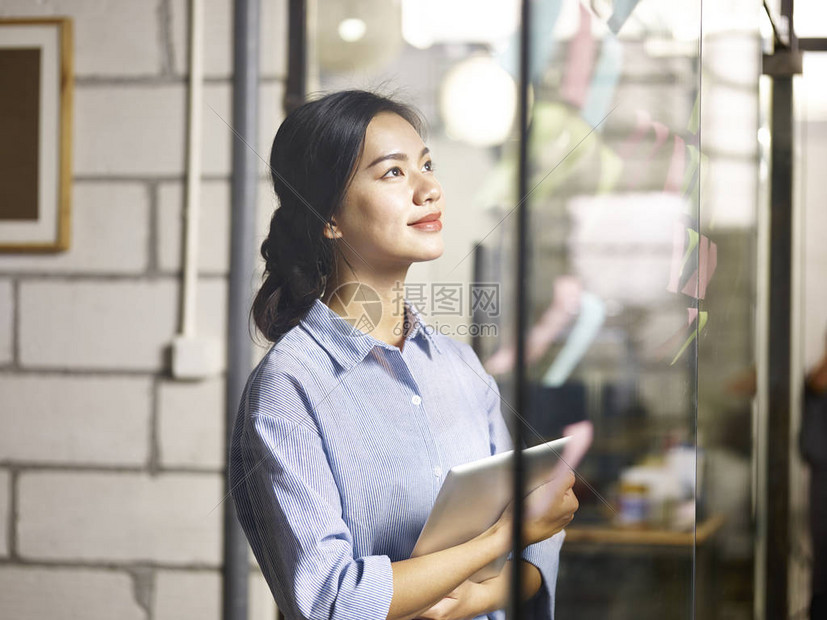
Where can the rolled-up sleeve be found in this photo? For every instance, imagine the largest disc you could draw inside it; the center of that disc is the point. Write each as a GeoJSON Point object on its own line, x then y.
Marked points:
{"type": "Point", "coordinates": [545, 555]}
{"type": "Point", "coordinates": [289, 507]}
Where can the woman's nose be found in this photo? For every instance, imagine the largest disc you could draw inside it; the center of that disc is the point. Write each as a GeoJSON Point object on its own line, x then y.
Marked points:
{"type": "Point", "coordinates": [428, 189]}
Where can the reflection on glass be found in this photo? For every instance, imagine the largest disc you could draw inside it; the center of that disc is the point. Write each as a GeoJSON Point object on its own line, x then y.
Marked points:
{"type": "Point", "coordinates": [642, 261]}
{"type": "Point", "coordinates": [618, 270]}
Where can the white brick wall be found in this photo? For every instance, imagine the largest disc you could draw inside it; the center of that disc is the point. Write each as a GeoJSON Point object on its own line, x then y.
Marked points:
{"type": "Point", "coordinates": [6, 322]}
{"type": "Point", "coordinates": [96, 324]}
{"type": "Point", "coordinates": [28, 593]}
{"type": "Point", "coordinates": [191, 424]}
{"type": "Point", "coordinates": [120, 517]}
{"type": "Point", "coordinates": [75, 419]}
{"type": "Point", "coordinates": [109, 325]}
{"type": "Point", "coordinates": [218, 122]}
{"type": "Point", "coordinates": [130, 130]}
{"type": "Point", "coordinates": [218, 23]}
{"type": "Point", "coordinates": [105, 445]}
{"type": "Point", "coordinates": [181, 595]}
{"type": "Point", "coordinates": [213, 232]}
{"type": "Point", "coordinates": [112, 37]}
{"type": "Point", "coordinates": [5, 512]}
{"type": "Point", "coordinates": [101, 213]}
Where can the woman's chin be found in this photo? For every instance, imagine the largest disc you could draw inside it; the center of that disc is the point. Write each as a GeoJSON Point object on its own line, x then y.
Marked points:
{"type": "Point", "coordinates": [434, 252]}
{"type": "Point", "coordinates": [425, 250]}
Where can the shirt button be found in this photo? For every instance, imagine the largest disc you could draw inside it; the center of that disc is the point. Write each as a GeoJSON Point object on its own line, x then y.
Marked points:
{"type": "Point", "coordinates": [416, 399]}
{"type": "Point", "coordinates": [437, 471]}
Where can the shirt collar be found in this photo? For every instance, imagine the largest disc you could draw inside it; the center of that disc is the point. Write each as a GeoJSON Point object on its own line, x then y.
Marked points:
{"type": "Point", "coordinates": [349, 345]}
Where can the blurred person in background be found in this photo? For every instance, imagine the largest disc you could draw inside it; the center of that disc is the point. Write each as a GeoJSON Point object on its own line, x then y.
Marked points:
{"type": "Point", "coordinates": [813, 441]}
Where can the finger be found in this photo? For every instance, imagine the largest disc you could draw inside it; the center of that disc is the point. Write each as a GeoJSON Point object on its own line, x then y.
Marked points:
{"type": "Point", "coordinates": [572, 501]}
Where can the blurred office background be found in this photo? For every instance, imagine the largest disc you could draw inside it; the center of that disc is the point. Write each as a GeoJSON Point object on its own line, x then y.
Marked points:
{"type": "Point", "coordinates": [651, 287]}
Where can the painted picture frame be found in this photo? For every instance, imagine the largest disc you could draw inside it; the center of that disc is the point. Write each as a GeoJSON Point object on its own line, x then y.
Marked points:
{"type": "Point", "coordinates": [36, 85]}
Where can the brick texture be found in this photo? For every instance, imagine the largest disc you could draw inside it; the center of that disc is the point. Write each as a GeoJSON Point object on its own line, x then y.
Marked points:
{"type": "Point", "coordinates": [70, 594]}
{"type": "Point", "coordinates": [112, 37]}
{"type": "Point", "coordinates": [181, 595]}
{"type": "Point", "coordinates": [218, 26]}
{"type": "Point", "coordinates": [213, 232]}
{"type": "Point", "coordinates": [121, 517]}
{"type": "Point", "coordinates": [103, 325]}
{"type": "Point", "coordinates": [132, 130]}
{"type": "Point", "coordinates": [218, 133]}
{"type": "Point", "coordinates": [110, 229]}
{"type": "Point", "coordinates": [191, 424]}
{"type": "Point", "coordinates": [110, 325]}
{"type": "Point", "coordinates": [75, 419]}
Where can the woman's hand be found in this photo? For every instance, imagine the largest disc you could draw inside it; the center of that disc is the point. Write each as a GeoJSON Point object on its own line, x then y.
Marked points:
{"type": "Point", "coordinates": [548, 509]}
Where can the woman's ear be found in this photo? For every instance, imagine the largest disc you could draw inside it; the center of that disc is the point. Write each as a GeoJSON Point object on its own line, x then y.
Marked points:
{"type": "Point", "coordinates": [331, 231]}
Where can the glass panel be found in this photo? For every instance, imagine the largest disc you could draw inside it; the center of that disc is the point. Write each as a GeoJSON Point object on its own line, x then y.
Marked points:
{"type": "Point", "coordinates": [726, 364]}
{"type": "Point", "coordinates": [642, 261]}
{"type": "Point", "coordinates": [615, 287]}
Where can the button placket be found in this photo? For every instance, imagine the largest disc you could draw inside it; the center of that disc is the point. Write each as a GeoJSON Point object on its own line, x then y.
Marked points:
{"type": "Point", "coordinates": [430, 442]}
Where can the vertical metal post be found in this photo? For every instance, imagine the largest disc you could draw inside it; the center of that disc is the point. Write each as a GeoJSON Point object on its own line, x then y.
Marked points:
{"type": "Point", "coordinates": [781, 66]}
{"type": "Point", "coordinates": [296, 87]}
{"type": "Point", "coordinates": [779, 339]}
{"type": "Point", "coordinates": [242, 267]}
{"type": "Point", "coordinates": [478, 276]}
{"type": "Point", "coordinates": [522, 312]}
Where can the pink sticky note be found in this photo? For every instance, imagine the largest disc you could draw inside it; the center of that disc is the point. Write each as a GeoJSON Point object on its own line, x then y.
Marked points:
{"type": "Point", "coordinates": [580, 63]}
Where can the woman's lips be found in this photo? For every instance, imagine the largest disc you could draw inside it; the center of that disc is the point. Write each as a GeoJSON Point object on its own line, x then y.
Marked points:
{"type": "Point", "coordinates": [430, 222]}
{"type": "Point", "coordinates": [428, 225]}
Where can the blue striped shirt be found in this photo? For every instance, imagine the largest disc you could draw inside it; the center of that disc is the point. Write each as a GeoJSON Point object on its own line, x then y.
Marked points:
{"type": "Point", "coordinates": [339, 448]}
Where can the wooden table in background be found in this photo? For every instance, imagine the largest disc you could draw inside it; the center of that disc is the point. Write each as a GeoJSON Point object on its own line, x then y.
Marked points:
{"type": "Point", "coordinates": [695, 544]}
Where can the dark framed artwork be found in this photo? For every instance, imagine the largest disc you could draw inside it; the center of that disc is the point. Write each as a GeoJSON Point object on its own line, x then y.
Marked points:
{"type": "Point", "coordinates": [35, 134]}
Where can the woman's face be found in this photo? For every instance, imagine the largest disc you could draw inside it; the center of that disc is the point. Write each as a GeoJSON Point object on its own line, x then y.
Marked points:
{"type": "Point", "coordinates": [393, 187]}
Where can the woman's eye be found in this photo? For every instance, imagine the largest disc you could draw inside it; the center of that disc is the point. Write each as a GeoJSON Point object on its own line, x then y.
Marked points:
{"type": "Point", "coordinates": [393, 172]}
{"type": "Point", "coordinates": [429, 166]}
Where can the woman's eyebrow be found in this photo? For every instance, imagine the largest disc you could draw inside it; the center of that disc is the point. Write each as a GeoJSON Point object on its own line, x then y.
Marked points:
{"type": "Point", "coordinates": [397, 156]}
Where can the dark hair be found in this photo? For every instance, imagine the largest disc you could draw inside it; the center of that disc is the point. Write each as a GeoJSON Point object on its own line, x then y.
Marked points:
{"type": "Point", "coordinates": [313, 159]}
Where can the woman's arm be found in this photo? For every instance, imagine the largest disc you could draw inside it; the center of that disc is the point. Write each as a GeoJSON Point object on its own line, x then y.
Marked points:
{"type": "Point", "coordinates": [423, 582]}
{"type": "Point", "coordinates": [472, 599]}
{"type": "Point", "coordinates": [420, 582]}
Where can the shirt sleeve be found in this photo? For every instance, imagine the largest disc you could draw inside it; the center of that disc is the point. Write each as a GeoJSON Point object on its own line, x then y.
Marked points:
{"type": "Point", "coordinates": [545, 555]}
{"type": "Point", "coordinates": [289, 507]}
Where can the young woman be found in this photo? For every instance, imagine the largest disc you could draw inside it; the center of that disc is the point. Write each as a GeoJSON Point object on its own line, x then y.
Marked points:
{"type": "Point", "coordinates": [346, 430]}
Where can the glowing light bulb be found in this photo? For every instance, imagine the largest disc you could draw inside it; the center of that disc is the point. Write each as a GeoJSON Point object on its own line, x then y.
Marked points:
{"type": "Point", "coordinates": [478, 102]}
{"type": "Point", "coordinates": [352, 29]}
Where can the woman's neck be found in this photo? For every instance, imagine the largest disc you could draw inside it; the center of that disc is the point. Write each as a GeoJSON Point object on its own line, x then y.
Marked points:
{"type": "Point", "coordinates": [373, 303]}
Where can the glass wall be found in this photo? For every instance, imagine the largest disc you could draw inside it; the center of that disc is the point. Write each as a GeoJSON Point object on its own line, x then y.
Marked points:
{"type": "Point", "coordinates": [620, 269]}
{"type": "Point", "coordinates": [643, 176]}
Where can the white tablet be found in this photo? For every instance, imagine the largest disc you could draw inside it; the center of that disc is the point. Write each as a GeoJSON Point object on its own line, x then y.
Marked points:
{"type": "Point", "coordinates": [474, 495]}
